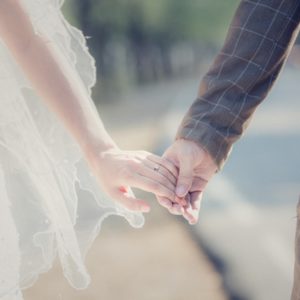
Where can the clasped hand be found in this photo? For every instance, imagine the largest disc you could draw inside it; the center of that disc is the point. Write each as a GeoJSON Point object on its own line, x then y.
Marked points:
{"type": "Point", "coordinates": [178, 178]}
{"type": "Point", "coordinates": [195, 168]}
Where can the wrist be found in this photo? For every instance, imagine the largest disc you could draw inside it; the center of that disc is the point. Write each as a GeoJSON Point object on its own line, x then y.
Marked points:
{"type": "Point", "coordinates": [198, 150]}
{"type": "Point", "coordinates": [193, 145]}
{"type": "Point", "coordinates": [95, 149]}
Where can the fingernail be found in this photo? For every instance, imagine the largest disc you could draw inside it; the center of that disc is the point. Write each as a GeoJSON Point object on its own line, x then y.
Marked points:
{"type": "Point", "coordinates": [181, 191]}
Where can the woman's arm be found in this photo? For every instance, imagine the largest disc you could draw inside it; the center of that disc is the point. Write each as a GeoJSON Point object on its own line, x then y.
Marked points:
{"type": "Point", "coordinates": [57, 84]}
{"type": "Point", "coordinates": [51, 77]}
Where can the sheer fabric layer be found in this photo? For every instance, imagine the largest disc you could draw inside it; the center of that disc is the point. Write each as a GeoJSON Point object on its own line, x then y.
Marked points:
{"type": "Point", "coordinates": [50, 202]}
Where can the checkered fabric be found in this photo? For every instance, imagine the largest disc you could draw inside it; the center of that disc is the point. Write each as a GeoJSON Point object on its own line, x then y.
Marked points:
{"type": "Point", "coordinates": [256, 47]}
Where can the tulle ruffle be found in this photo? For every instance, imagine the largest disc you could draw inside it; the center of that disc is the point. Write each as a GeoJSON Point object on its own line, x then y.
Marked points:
{"type": "Point", "coordinates": [50, 202]}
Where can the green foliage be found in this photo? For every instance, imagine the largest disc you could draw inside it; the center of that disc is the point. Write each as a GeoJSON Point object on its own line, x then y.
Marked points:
{"type": "Point", "coordinates": [191, 20]}
{"type": "Point", "coordinates": [202, 20]}
{"type": "Point", "coordinates": [147, 40]}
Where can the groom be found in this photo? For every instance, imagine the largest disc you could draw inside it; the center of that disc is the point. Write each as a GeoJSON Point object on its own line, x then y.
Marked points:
{"type": "Point", "coordinates": [257, 45]}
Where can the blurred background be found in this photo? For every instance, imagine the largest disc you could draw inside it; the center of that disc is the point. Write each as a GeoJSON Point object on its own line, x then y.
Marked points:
{"type": "Point", "coordinates": [150, 58]}
{"type": "Point", "coordinates": [137, 42]}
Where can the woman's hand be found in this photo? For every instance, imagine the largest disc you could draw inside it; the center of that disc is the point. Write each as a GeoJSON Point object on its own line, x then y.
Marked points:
{"type": "Point", "coordinates": [118, 171]}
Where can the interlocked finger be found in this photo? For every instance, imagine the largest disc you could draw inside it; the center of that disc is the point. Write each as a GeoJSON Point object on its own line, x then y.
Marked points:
{"type": "Point", "coordinates": [191, 212]}
{"type": "Point", "coordinates": [148, 184]}
{"type": "Point", "coordinates": [164, 165]}
{"type": "Point", "coordinates": [148, 170]}
{"type": "Point", "coordinates": [195, 200]}
{"type": "Point", "coordinates": [164, 202]}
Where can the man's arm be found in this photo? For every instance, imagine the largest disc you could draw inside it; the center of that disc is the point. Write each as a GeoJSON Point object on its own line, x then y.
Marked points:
{"type": "Point", "coordinates": [256, 47]}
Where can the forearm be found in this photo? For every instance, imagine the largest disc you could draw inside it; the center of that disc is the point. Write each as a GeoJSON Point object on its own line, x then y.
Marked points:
{"type": "Point", "coordinates": [254, 52]}
{"type": "Point", "coordinates": [53, 79]}
{"type": "Point", "coordinates": [58, 85]}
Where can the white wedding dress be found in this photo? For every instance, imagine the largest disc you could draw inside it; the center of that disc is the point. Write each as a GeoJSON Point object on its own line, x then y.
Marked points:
{"type": "Point", "coordinates": [50, 204]}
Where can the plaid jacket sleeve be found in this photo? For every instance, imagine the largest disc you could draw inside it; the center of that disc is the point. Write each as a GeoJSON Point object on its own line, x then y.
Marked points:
{"type": "Point", "coordinates": [256, 47]}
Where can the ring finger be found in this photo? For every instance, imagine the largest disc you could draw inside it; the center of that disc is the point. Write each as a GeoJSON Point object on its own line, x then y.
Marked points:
{"type": "Point", "coordinates": [159, 169]}
{"type": "Point", "coordinates": [169, 167]}
{"type": "Point", "coordinates": [150, 172]}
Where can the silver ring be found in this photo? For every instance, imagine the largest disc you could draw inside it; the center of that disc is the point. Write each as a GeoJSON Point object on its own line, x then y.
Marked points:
{"type": "Point", "coordinates": [156, 168]}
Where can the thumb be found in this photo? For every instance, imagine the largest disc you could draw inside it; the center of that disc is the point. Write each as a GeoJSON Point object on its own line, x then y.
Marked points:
{"type": "Point", "coordinates": [185, 177]}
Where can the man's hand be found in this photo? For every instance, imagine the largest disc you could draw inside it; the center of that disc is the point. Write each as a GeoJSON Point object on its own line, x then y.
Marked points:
{"type": "Point", "coordinates": [196, 168]}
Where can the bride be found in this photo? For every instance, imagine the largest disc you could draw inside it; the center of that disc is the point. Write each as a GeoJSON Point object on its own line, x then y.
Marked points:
{"type": "Point", "coordinates": [61, 173]}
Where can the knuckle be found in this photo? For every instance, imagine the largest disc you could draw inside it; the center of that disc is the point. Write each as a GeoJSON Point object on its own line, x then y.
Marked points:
{"type": "Point", "coordinates": [171, 196]}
